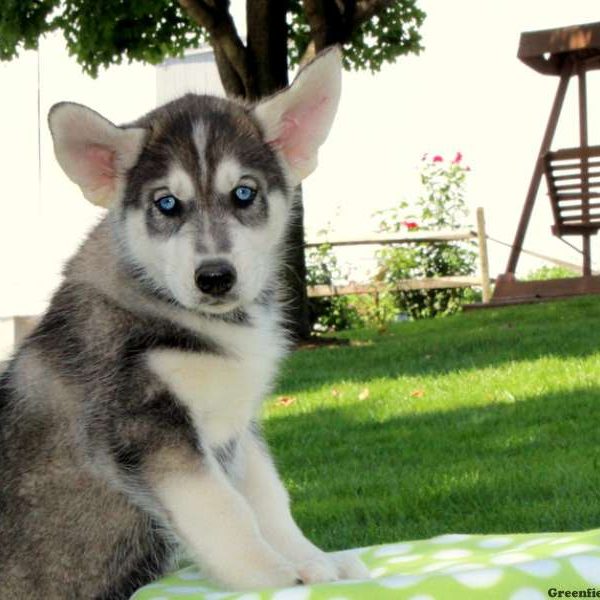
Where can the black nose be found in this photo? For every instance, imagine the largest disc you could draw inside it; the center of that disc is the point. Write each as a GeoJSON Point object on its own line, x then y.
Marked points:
{"type": "Point", "coordinates": [215, 277]}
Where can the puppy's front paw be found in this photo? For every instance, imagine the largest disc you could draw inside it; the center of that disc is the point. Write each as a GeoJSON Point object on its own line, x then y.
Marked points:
{"type": "Point", "coordinates": [280, 575]}
{"type": "Point", "coordinates": [318, 569]}
{"type": "Point", "coordinates": [258, 571]}
{"type": "Point", "coordinates": [323, 567]}
{"type": "Point", "coordinates": [349, 566]}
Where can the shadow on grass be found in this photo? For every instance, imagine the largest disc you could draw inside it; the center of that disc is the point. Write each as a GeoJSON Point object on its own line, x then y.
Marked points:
{"type": "Point", "coordinates": [533, 465]}
{"type": "Point", "coordinates": [465, 341]}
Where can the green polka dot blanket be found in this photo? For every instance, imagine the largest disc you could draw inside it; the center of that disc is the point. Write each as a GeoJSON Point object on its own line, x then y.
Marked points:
{"type": "Point", "coordinates": [490, 567]}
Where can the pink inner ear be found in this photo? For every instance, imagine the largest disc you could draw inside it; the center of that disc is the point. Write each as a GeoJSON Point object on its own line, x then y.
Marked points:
{"type": "Point", "coordinates": [299, 133]}
{"type": "Point", "coordinates": [99, 165]}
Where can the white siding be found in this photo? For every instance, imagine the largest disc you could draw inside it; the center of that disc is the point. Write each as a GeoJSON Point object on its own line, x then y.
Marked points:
{"type": "Point", "coordinates": [196, 73]}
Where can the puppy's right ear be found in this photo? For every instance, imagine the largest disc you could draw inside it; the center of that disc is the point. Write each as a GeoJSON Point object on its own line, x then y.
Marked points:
{"type": "Point", "coordinates": [296, 120]}
{"type": "Point", "coordinates": [93, 152]}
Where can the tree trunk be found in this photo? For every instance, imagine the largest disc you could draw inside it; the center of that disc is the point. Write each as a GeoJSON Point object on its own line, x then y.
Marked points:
{"type": "Point", "coordinates": [267, 52]}
{"type": "Point", "coordinates": [295, 274]}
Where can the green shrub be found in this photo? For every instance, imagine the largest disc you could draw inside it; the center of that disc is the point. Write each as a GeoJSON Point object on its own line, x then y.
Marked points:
{"type": "Point", "coordinates": [441, 207]}
{"type": "Point", "coordinates": [332, 313]}
{"type": "Point", "coordinates": [544, 273]}
{"type": "Point", "coordinates": [376, 310]}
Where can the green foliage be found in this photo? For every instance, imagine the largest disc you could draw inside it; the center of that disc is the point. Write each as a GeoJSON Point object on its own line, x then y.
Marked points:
{"type": "Point", "coordinates": [441, 207]}
{"type": "Point", "coordinates": [21, 24]}
{"type": "Point", "coordinates": [102, 33]}
{"type": "Point", "coordinates": [544, 273]}
{"type": "Point", "coordinates": [338, 313]}
{"type": "Point", "coordinates": [376, 310]}
{"type": "Point", "coordinates": [99, 34]}
{"type": "Point", "coordinates": [332, 313]}
{"type": "Point", "coordinates": [391, 34]}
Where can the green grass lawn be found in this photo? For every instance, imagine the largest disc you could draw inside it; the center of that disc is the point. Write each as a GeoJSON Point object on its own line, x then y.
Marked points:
{"type": "Point", "coordinates": [483, 422]}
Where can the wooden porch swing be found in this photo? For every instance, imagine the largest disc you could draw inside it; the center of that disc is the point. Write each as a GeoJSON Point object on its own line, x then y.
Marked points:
{"type": "Point", "coordinates": [572, 174]}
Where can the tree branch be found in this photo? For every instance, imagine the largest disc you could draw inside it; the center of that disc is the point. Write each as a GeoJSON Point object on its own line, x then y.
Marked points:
{"type": "Point", "coordinates": [267, 44]}
{"type": "Point", "coordinates": [230, 52]}
{"type": "Point", "coordinates": [233, 84]}
{"type": "Point", "coordinates": [323, 17]}
{"type": "Point", "coordinates": [365, 9]}
{"type": "Point", "coordinates": [334, 21]}
{"type": "Point", "coordinates": [201, 13]}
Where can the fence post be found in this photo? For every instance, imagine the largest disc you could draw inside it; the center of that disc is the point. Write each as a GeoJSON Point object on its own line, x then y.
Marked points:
{"type": "Point", "coordinates": [484, 267]}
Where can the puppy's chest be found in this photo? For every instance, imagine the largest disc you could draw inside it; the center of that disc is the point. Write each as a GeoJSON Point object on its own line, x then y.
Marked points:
{"type": "Point", "coordinates": [222, 392]}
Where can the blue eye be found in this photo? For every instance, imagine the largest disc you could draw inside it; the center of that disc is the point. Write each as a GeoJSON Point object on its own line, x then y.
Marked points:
{"type": "Point", "coordinates": [168, 205]}
{"type": "Point", "coordinates": [244, 195]}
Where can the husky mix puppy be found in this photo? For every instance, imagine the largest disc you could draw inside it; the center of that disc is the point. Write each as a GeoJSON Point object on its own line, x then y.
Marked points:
{"type": "Point", "coordinates": [128, 418]}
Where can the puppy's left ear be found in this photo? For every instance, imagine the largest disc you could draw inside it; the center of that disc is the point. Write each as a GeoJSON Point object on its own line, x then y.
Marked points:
{"type": "Point", "coordinates": [93, 152]}
{"type": "Point", "coordinates": [296, 121]}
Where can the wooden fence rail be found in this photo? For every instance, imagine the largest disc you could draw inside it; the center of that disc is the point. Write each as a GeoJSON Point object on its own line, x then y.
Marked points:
{"type": "Point", "coordinates": [483, 280]}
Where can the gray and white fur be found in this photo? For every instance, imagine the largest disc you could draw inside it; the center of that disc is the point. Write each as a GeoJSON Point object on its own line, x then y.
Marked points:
{"type": "Point", "coordinates": [129, 417]}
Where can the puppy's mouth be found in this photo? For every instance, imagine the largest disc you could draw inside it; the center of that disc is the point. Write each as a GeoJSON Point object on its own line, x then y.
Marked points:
{"type": "Point", "coordinates": [219, 304]}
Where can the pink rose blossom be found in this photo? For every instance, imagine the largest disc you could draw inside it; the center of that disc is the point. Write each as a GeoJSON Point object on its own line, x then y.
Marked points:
{"type": "Point", "coordinates": [457, 158]}
{"type": "Point", "coordinates": [438, 158]}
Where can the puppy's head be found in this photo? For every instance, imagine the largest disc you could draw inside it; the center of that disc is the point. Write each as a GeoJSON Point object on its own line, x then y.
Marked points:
{"type": "Point", "coordinates": [201, 187]}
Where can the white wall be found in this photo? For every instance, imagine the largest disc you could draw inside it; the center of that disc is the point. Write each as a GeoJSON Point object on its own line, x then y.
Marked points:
{"type": "Point", "coordinates": [45, 216]}
{"type": "Point", "coordinates": [196, 72]}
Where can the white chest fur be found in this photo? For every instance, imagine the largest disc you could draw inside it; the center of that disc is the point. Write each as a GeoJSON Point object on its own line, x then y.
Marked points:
{"type": "Point", "coordinates": [223, 392]}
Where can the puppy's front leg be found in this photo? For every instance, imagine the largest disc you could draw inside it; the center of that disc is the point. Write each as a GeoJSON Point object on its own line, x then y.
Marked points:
{"type": "Point", "coordinates": [262, 488]}
{"type": "Point", "coordinates": [219, 527]}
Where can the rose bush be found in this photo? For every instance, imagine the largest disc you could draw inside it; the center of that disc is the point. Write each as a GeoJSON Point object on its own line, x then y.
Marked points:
{"type": "Point", "coordinates": [442, 206]}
